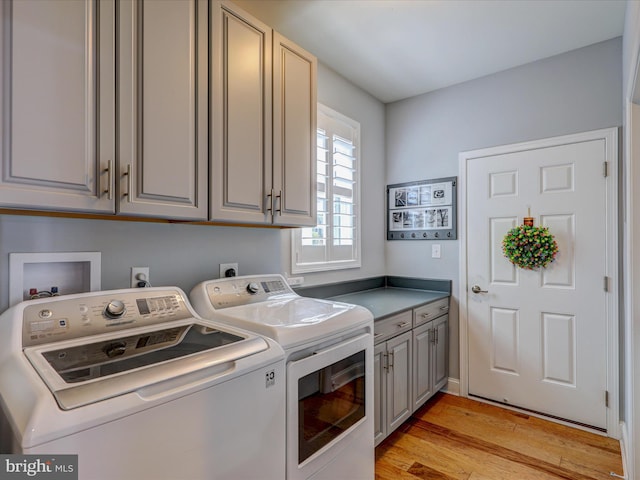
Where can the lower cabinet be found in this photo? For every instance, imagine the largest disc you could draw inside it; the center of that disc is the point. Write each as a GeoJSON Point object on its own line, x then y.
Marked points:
{"type": "Point", "coordinates": [379, 392]}
{"type": "Point", "coordinates": [430, 369]}
{"type": "Point", "coordinates": [422, 375]}
{"type": "Point", "coordinates": [441, 353]}
{"type": "Point", "coordinates": [393, 393]}
{"type": "Point", "coordinates": [410, 365]}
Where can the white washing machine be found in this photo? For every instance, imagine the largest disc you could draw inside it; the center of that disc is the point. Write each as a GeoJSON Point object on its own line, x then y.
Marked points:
{"type": "Point", "coordinates": [139, 387]}
{"type": "Point", "coordinates": [329, 356]}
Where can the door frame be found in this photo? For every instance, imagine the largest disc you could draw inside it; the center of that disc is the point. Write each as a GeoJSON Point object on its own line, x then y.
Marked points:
{"type": "Point", "coordinates": [610, 135]}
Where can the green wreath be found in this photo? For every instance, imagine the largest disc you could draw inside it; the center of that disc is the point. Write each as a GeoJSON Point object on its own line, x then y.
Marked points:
{"type": "Point", "coordinates": [529, 247]}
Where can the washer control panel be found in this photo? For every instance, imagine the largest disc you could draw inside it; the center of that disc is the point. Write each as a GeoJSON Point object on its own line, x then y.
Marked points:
{"type": "Point", "coordinates": [63, 318]}
{"type": "Point", "coordinates": [234, 291]}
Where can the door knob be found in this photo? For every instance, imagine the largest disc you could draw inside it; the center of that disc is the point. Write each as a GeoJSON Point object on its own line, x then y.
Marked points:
{"type": "Point", "coordinates": [477, 289]}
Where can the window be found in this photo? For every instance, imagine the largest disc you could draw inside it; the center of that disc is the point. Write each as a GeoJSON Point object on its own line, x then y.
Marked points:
{"type": "Point", "coordinates": [334, 242]}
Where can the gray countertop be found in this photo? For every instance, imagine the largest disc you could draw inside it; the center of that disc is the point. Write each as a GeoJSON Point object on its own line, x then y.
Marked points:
{"type": "Point", "coordinates": [386, 301]}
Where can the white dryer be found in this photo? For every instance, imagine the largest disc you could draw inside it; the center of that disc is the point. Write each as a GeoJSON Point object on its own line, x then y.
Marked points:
{"type": "Point", "coordinates": [329, 356]}
{"type": "Point", "coordinates": [139, 387]}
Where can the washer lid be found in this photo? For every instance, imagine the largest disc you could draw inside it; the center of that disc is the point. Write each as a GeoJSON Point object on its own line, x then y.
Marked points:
{"type": "Point", "coordinates": [83, 371]}
{"type": "Point", "coordinates": [291, 320]}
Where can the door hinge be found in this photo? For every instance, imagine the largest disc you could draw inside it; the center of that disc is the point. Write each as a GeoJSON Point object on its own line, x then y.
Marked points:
{"type": "Point", "coordinates": [605, 169]}
{"type": "Point", "coordinates": [606, 398]}
{"type": "Point", "coordinates": [606, 283]}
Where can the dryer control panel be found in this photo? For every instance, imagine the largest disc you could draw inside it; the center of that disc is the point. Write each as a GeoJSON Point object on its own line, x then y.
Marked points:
{"type": "Point", "coordinates": [65, 318]}
{"type": "Point", "coordinates": [234, 291]}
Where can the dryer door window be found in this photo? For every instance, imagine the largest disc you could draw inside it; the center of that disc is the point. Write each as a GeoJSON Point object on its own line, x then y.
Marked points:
{"type": "Point", "coordinates": [330, 401]}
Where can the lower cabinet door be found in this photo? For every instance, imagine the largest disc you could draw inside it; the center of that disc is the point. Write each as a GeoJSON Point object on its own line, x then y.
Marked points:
{"type": "Point", "coordinates": [399, 403]}
{"type": "Point", "coordinates": [379, 400]}
{"type": "Point", "coordinates": [440, 354]}
{"type": "Point", "coordinates": [422, 365]}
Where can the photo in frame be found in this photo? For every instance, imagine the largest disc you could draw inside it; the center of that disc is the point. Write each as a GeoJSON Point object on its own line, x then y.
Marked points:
{"type": "Point", "coordinates": [423, 210]}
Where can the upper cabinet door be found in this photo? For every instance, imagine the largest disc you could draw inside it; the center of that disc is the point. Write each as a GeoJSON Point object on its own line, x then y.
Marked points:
{"type": "Point", "coordinates": [241, 153]}
{"type": "Point", "coordinates": [57, 104]}
{"type": "Point", "coordinates": [162, 81]}
{"type": "Point", "coordinates": [294, 133]}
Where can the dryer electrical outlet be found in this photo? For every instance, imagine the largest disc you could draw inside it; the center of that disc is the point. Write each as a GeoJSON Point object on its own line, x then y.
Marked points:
{"type": "Point", "coordinates": [140, 277]}
{"type": "Point", "coordinates": [228, 270]}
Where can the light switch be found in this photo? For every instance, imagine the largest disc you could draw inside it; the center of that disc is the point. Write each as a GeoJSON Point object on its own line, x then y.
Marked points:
{"type": "Point", "coordinates": [435, 251]}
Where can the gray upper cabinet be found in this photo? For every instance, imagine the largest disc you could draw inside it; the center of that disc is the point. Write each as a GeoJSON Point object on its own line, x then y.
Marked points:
{"type": "Point", "coordinates": [263, 115]}
{"type": "Point", "coordinates": [162, 121]}
{"type": "Point", "coordinates": [57, 105]}
{"type": "Point", "coordinates": [180, 109]}
{"type": "Point", "coordinates": [294, 134]}
{"type": "Point", "coordinates": [241, 152]}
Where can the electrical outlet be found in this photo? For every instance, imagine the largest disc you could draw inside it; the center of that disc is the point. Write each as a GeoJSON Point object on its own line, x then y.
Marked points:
{"type": "Point", "coordinates": [228, 270]}
{"type": "Point", "coordinates": [292, 281]}
{"type": "Point", "coordinates": [140, 275]}
{"type": "Point", "coordinates": [435, 251]}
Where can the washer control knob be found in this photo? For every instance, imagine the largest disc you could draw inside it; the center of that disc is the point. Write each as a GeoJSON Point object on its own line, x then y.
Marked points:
{"type": "Point", "coordinates": [115, 309]}
{"type": "Point", "coordinates": [253, 288]}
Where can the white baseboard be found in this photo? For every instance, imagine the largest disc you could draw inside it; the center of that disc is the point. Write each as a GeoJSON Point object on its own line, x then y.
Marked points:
{"type": "Point", "coordinates": [625, 450]}
{"type": "Point", "coordinates": [453, 386]}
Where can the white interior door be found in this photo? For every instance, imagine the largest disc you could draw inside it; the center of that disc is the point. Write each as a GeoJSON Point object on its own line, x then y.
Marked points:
{"type": "Point", "coordinates": [538, 339]}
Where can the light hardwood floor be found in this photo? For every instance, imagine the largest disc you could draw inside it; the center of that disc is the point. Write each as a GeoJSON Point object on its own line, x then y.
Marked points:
{"type": "Point", "coordinates": [454, 438]}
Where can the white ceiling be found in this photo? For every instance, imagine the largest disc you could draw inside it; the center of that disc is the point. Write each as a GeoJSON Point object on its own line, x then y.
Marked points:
{"type": "Point", "coordinates": [396, 49]}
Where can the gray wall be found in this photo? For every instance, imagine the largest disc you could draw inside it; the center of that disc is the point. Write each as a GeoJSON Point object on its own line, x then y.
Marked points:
{"type": "Point", "coordinates": [176, 254]}
{"type": "Point", "coordinates": [338, 93]}
{"type": "Point", "coordinates": [569, 93]}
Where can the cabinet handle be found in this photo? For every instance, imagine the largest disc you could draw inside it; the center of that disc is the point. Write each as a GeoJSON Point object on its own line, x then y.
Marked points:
{"type": "Point", "coordinates": [444, 307]}
{"type": "Point", "coordinates": [390, 355]}
{"type": "Point", "coordinates": [435, 336]}
{"type": "Point", "coordinates": [129, 183]}
{"type": "Point", "coordinates": [376, 335]}
{"type": "Point", "coordinates": [270, 202]}
{"type": "Point", "coordinates": [109, 172]}
{"type": "Point", "coordinates": [385, 361]}
{"type": "Point", "coordinates": [272, 198]}
{"type": "Point", "coordinates": [425, 315]}
{"type": "Point", "coordinates": [403, 324]}
{"type": "Point", "coordinates": [279, 197]}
